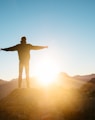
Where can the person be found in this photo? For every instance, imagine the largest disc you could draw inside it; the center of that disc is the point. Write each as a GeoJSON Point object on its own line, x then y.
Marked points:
{"type": "Point", "coordinates": [23, 50]}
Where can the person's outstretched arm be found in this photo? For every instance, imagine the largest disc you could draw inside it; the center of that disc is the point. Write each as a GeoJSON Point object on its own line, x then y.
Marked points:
{"type": "Point", "coordinates": [13, 48]}
{"type": "Point", "coordinates": [38, 47]}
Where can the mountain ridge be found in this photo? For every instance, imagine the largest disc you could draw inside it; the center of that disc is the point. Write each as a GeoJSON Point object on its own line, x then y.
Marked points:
{"type": "Point", "coordinates": [64, 80]}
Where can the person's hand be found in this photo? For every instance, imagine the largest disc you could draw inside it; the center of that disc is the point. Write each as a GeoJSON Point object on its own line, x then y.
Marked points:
{"type": "Point", "coordinates": [46, 46]}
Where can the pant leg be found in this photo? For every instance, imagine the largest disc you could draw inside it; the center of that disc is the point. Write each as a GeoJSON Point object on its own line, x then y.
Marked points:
{"type": "Point", "coordinates": [27, 74]}
{"type": "Point", "coordinates": [20, 74]}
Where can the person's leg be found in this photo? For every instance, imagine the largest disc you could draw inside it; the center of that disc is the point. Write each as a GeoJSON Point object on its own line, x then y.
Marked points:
{"type": "Point", "coordinates": [27, 74]}
{"type": "Point", "coordinates": [20, 74]}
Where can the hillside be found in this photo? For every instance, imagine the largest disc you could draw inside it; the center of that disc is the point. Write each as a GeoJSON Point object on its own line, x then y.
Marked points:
{"type": "Point", "coordinates": [27, 104]}
{"type": "Point", "coordinates": [53, 103]}
{"type": "Point", "coordinates": [63, 80]}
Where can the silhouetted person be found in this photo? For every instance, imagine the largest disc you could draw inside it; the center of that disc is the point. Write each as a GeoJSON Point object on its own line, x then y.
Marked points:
{"type": "Point", "coordinates": [23, 50]}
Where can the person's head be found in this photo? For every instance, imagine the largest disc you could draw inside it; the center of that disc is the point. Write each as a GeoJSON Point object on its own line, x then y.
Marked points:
{"type": "Point", "coordinates": [23, 40]}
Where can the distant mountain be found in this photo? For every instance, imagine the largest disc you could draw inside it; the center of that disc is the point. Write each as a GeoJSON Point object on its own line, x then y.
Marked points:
{"type": "Point", "coordinates": [68, 81]}
{"type": "Point", "coordinates": [89, 86]}
{"type": "Point", "coordinates": [84, 77]}
{"type": "Point", "coordinates": [2, 82]}
{"type": "Point", "coordinates": [63, 80]}
{"type": "Point", "coordinates": [92, 80]}
{"type": "Point", "coordinates": [7, 87]}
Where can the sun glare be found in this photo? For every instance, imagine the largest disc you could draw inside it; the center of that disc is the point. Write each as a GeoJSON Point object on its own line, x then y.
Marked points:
{"type": "Point", "coordinates": [46, 71]}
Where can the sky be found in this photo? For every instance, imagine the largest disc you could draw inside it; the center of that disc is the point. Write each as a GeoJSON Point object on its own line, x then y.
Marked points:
{"type": "Point", "coordinates": [66, 26]}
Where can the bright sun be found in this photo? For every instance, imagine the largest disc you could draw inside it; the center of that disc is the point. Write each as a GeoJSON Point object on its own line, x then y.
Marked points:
{"type": "Point", "coordinates": [46, 70]}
